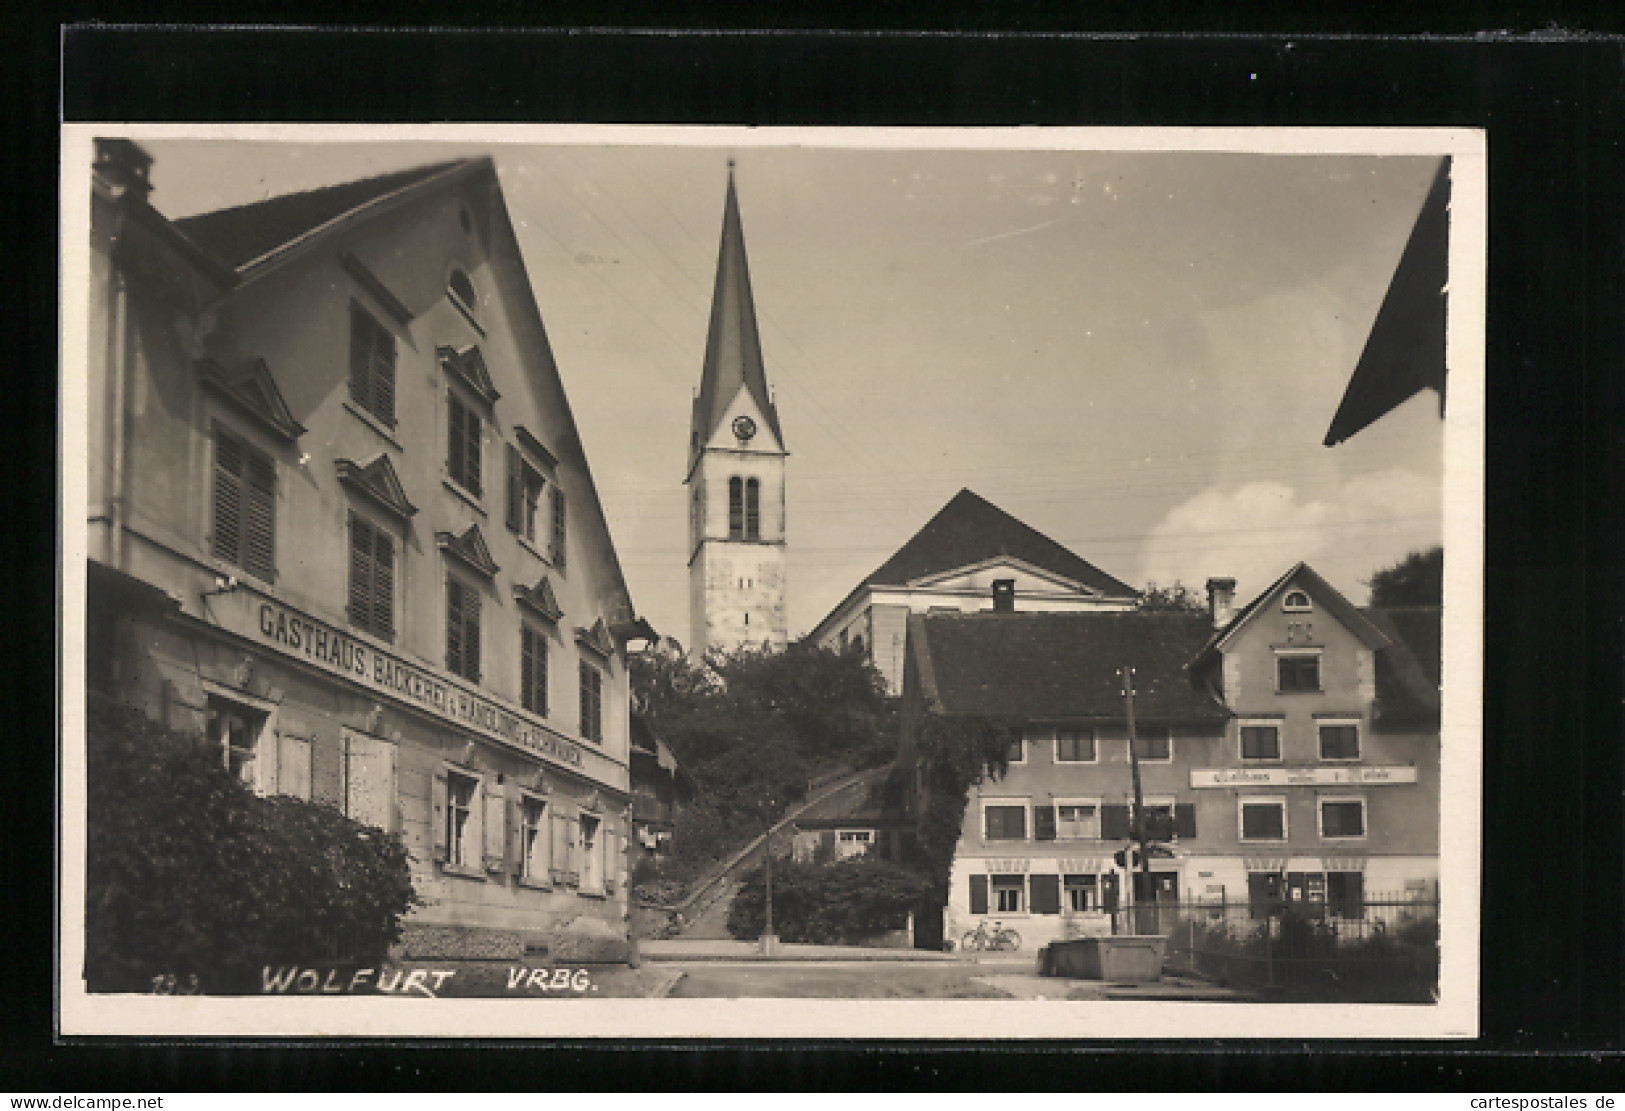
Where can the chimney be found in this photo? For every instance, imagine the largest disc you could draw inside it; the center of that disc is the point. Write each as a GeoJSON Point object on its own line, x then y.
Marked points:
{"type": "Point", "coordinates": [1004, 595]}
{"type": "Point", "coordinates": [123, 166]}
{"type": "Point", "coordinates": [1221, 600]}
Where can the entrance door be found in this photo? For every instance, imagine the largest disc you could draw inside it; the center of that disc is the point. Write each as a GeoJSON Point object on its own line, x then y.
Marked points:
{"type": "Point", "coordinates": [1156, 893]}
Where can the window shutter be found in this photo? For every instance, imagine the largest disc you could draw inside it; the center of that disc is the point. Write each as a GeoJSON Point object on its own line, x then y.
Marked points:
{"type": "Point", "coordinates": [267, 760]}
{"type": "Point", "coordinates": [1354, 895]}
{"type": "Point", "coordinates": [471, 635]}
{"type": "Point", "coordinates": [383, 379]}
{"type": "Point", "coordinates": [370, 781]}
{"type": "Point", "coordinates": [558, 525]}
{"type": "Point", "coordinates": [228, 499]}
{"type": "Point", "coordinates": [1185, 819]}
{"type": "Point", "coordinates": [293, 766]}
{"type": "Point", "coordinates": [527, 668]}
{"type": "Point", "coordinates": [360, 357]}
{"type": "Point", "coordinates": [471, 424]}
{"type": "Point", "coordinates": [454, 439]}
{"type": "Point", "coordinates": [1114, 822]}
{"type": "Point", "coordinates": [513, 856]}
{"type": "Point", "coordinates": [1044, 823]}
{"type": "Point", "coordinates": [559, 844]}
{"type": "Point", "coordinates": [361, 571]}
{"type": "Point", "coordinates": [259, 547]}
{"type": "Point", "coordinates": [515, 489]}
{"type": "Point", "coordinates": [494, 825]}
{"type": "Point", "coordinates": [1046, 894]}
{"type": "Point", "coordinates": [437, 813]}
{"type": "Point", "coordinates": [383, 588]}
{"type": "Point", "coordinates": [454, 626]}
{"type": "Point", "coordinates": [978, 894]}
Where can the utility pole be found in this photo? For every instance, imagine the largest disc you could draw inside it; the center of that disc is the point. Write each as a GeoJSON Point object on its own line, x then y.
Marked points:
{"type": "Point", "coordinates": [1127, 675]}
{"type": "Point", "coordinates": [769, 941]}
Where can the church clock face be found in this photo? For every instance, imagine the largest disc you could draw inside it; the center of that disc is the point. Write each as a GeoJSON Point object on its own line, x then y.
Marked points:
{"type": "Point", "coordinates": [744, 427]}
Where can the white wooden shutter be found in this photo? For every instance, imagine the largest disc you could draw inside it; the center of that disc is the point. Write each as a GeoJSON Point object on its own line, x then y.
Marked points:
{"type": "Point", "coordinates": [293, 766]}
{"type": "Point", "coordinates": [370, 780]}
{"type": "Point", "coordinates": [439, 793]}
{"type": "Point", "coordinates": [495, 825]}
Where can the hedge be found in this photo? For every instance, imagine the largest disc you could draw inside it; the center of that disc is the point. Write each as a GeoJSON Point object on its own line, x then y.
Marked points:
{"type": "Point", "coordinates": [846, 902]}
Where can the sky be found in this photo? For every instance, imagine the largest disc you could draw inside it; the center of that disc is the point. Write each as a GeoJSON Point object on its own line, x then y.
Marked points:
{"type": "Point", "coordinates": [1136, 353]}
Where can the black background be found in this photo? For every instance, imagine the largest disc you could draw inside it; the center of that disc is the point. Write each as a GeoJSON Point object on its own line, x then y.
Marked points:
{"type": "Point", "coordinates": [1552, 105]}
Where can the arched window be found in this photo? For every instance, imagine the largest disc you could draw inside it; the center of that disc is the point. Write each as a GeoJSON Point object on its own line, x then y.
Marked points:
{"type": "Point", "coordinates": [1296, 601]}
{"type": "Point", "coordinates": [461, 288]}
{"type": "Point", "coordinates": [753, 509]}
{"type": "Point", "coordinates": [736, 508]}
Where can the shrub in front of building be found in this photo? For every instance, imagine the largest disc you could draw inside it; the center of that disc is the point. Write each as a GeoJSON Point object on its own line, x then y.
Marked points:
{"type": "Point", "coordinates": [848, 902]}
{"type": "Point", "coordinates": [193, 880]}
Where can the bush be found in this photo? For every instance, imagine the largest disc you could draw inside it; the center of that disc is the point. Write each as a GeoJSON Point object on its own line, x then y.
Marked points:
{"type": "Point", "coordinates": [191, 875]}
{"type": "Point", "coordinates": [843, 903]}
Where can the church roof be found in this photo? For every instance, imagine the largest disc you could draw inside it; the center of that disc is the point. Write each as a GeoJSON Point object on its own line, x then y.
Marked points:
{"type": "Point", "coordinates": [971, 529]}
{"type": "Point", "coordinates": [733, 346]}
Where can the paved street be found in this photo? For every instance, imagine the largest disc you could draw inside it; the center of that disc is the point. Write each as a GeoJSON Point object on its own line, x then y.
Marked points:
{"type": "Point", "coordinates": [833, 980]}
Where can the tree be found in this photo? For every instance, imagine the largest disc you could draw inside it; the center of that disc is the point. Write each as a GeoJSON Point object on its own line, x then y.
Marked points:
{"type": "Point", "coordinates": [849, 901]}
{"type": "Point", "coordinates": [1416, 580]}
{"type": "Point", "coordinates": [190, 875]}
{"type": "Point", "coordinates": [1177, 598]}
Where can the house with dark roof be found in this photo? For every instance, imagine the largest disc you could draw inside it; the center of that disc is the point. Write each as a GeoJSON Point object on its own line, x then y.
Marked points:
{"type": "Point", "coordinates": [1288, 752]}
{"type": "Point", "coordinates": [341, 524]}
{"type": "Point", "coordinates": [971, 556]}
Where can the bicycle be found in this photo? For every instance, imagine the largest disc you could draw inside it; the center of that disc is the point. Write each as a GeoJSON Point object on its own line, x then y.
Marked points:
{"type": "Point", "coordinates": [998, 939]}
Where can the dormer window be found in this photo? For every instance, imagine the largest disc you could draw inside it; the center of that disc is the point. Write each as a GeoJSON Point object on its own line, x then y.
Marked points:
{"type": "Point", "coordinates": [1296, 601]}
{"type": "Point", "coordinates": [461, 288]}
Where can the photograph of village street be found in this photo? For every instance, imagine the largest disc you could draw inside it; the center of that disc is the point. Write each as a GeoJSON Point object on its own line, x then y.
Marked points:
{"type": "Point", "coordinates": [595, 568]}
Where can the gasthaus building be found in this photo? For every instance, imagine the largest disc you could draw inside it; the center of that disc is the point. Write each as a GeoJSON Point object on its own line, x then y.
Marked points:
{"type": "Point", "coordinates": [1289, 750]}
{"type": "Point", "coordinates": [341, 523]}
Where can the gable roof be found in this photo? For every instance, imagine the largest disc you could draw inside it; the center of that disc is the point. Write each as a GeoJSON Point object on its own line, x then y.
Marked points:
{"type": "Point", "coordinates": [1320, 590]}
{"type": "Point", "coordinates": [379, 481]}
{"type": "Point", "coordinates": [733, 345]}
{"type": "Point", "coordinates": [252, 388]}
{"type": "Point", "coordinates": [1062, 666]}
{"type": "Point", "coordinates": [244, 234]}
{"type": "Point", "coordinates": [1408, 670]}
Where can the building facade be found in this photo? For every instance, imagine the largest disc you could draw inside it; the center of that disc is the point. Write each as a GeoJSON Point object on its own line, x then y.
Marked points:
{"type": "Point", "coordinates": [1278, 763]}
{"type": "Point", "coordinates": [341, 524]}
{"type": "Point", "coordinates": [736, 468]}
{"type": "Point", "coordinates": [951, 566]}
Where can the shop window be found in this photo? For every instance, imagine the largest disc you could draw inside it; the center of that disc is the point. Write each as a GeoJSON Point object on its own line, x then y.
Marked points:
{"type": "Point", "coordinates": [590, 853]}
{"type": "Point", "coordinates": [1009, 894]}
{"type": "Point", "coordinates": [1080, 894]}
{"type": "Point", "coordinates": [1296, 673]}
{"type": "Point", "coordinates": [533, 670]}
{"type": "Point", "coordinates": [372, 578]}
{"type": "Point", "coordinates": [753, 509]}
{"type": "Point", "coordinates": [462, 629]}
{"type": "Point", "coordinates": [592, 702]}
{"type": "Point", "coordinates": [1076, 821]}
{"type": "Point", "coordinates": [462, 820]}
{"type": "Point", "coordinates": [1260, 742]}
{"type": "Point", "coordinates": [244, 506]}
{"type": "Point", "coordinates": [463, 440]}
{"type": "Point", "coordinates": [556, 552]}
{"type": "Point", "coordinates": [372, 365]}
{"type": "Point", "coordinates": [736, 509]}
{"type": "Point", "coordinates": [533, 857]}
{"type": "Point", "coordinates": [1075, 746]}
{"type": "Point", "coordinates": [1154, 744]}
{"type": "Point", "coordinates": [525, 486]}
{"type": "Point", "coordinates": [1340, 741]}
{"type": "Point", "coordinates": [1263, 819]}
{"type": "Point", "coordinates": [1342, 818]}
{"type": "Point", "coordinates": [1005, 822]}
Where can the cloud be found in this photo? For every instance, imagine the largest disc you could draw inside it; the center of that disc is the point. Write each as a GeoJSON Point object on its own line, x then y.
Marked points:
{"type": "Point", "coordinates": [1256, 531]}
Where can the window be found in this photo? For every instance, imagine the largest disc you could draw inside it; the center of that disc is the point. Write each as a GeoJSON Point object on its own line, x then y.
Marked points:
{"type": "Point", "coordinates": [1017, 752]}
{"type": "Point", "coordinates": [462, 629]}
{"type": "Point", "coordinates": [1297, 673]}
{"type": "Point", "coordinates": [533, 839]}
{"type": "Point", "coordinates": [1340, 741]}
{"type": "Point", "coordinates": [372, 365]}
{"type": "Point", "coordinates": [852, 842]}
{"type": "Point", "coordinates": [753, 509]}
{"type": "Point", "coordinates": [236, 729]}
{"type": "Point", "coordinates": [1075, 746]}
{"type": "Point", "coordinates": [372, 578]}
{"type": "Point", "coordinates": [1345, 894]}
{"type": "Point", "coordinates": [736, 509]}
{"type": "Point", "coordinates": [533, 670]}
{"type": "Point", "coordinates": [1260, 742]}
{"type": "Point", "coordinates": [462, 820]}
{"type": "Point", "coordinates": [1342, 818]}
{"type": "Point", "coordinates": [1077, 820]}
{"type": "Point", "coordinates": [1296, 601]}
{"type": "Point", "coordinates": [1159, 819]}
{"type": "Point", "coordinates": [461, 288]}
{"type": "Point", "coordinates": [557, 551]}
{"type": "Point", "coordinates": [1005, 822]}
{"type": "Point", "coordinates": [1154, 744]}
{"type": "Point", "coordinates": [525, 485]}
{"type": "Point", "coordinates": [1263, 819]}
{"type": "Point", "coordinates": [592, 702]}
{"type": "Point", "coordinates": [1009, 894]}
{"type": "Point", "coordinates": [1081, 893]}
{"type": "Point", "coordinates": [590, 853]}
{"type": "Point", "coordinates": [244, 506]}
{"type": "Point", "coordinates": [463, 444]}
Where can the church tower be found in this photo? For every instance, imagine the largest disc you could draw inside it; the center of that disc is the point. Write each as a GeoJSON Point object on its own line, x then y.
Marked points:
{"type": "Point", "coordinates": [735, 471]}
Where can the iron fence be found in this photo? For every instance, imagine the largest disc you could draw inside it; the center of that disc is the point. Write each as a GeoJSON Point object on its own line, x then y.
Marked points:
{"type": "Point", "coordinates": [1385, 948]}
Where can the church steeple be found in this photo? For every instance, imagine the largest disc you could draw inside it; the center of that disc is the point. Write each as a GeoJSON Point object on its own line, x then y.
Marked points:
{"type": "Point", "coordinates": [735, 471]}
{"type": "Point", "coordinates": [733, 345]}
